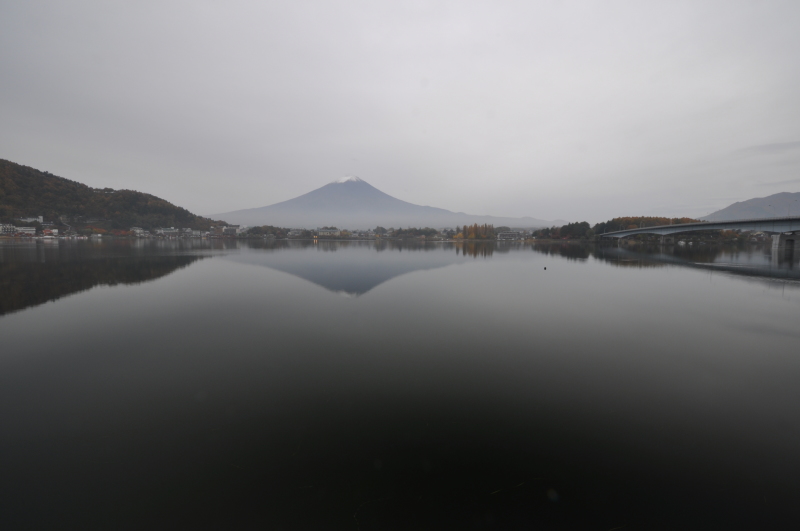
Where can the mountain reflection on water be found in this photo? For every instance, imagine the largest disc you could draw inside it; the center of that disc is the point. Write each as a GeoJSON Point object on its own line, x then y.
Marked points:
{"type": "Point", "coordinates": [354, 268]}
{"type": "Point", "coordinates": [366, 265]}
{"type": "Point", "coordinates": [481, 385]}
{"type": "Point", "coordinates": [35, 273]}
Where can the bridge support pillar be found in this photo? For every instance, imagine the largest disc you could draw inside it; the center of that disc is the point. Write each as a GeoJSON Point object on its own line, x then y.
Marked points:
{"type": "Point", "coordinates": [784, 241]}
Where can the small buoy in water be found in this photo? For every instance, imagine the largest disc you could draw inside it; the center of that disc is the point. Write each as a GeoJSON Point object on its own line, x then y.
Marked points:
{"type": "Point", "coordinates": [545, 269]}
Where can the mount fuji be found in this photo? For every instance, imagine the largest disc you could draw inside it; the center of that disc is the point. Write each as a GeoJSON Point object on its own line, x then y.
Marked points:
{"type": "Point", "coordinates": [353, 203]}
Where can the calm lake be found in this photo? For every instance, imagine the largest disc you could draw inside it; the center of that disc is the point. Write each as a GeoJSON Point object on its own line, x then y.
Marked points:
{"type": "Point", "coordinates": [292, 385]}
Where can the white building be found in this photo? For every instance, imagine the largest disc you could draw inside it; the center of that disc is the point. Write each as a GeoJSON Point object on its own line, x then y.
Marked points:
{"type": "Point", "coordinates": [509, 235]}
{"type": "Point", "coordinates": [7, 229]}
{"type": "Point", "coordinates": [170, 232]}
{"type": "Point", "coordinates": [40, 219]}
{"type": "Point", "coordinates": [28, 231]}
{"type": "Point", "coordinates": [328, 232]}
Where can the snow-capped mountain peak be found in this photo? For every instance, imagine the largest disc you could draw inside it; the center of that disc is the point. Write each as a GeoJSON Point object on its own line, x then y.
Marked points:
{"type": "Point", "coordinates": [352, 203]}
{"type": "Point", "coordinates": [348, 179]}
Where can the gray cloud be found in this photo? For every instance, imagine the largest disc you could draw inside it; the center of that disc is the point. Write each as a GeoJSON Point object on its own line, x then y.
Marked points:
{"type": "Point", "coordinates": [576, 110]}
{"type": "Point", "coordinates": [770, 149]}
{"type": "Point", "coordinates": [787, 182]}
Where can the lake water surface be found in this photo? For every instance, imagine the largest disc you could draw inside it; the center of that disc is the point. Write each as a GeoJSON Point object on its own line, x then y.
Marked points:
{"type": "Point", "coordinates": [225, 385]}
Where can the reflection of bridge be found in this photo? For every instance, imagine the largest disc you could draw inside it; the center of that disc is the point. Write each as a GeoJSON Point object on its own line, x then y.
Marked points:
{"type": "Point", "coordinates": [784, 230]}
{"type": "Point", "coordinates": [778, 265]}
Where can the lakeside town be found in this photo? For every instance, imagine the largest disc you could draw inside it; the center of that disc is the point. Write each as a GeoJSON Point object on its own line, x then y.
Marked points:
{"type": "Point", "coordinates": [40, 229]}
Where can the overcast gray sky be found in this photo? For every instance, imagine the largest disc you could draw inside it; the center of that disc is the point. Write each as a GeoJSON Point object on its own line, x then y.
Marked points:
{"type": "Point", "coordinates": [552, 109]}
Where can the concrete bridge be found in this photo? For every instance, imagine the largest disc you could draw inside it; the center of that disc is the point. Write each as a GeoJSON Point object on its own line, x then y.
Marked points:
{"type": "Point", "coordinates": [784, 230]}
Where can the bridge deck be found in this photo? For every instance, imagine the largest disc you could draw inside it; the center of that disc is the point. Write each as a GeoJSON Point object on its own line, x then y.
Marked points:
{"type": "Point", "coordinates": [769, 225]}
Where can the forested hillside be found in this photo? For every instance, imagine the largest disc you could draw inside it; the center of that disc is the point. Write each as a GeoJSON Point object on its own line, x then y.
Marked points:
{"type": "Point", "coordinates": [27, 192]}
{"type": "Point", "coordinates": [582, 229]}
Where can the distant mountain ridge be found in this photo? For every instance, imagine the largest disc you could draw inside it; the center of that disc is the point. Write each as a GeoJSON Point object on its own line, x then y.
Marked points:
{"type": "Point", "coordinates": [777, 205]}
{"type": "Point", "coordinates": [353, 203]}
{"type": "Point", "coordinates": [25, 191]}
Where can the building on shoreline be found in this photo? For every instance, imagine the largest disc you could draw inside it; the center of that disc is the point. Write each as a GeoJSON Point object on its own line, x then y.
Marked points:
{"type": "Point", "coordinates": [167, 232]}
{"type": "Point", "coordinates": [509, 235]}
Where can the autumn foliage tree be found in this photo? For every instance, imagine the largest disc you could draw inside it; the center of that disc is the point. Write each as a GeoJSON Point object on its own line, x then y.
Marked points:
{"type": "Point", "coordinates": [476, 232]}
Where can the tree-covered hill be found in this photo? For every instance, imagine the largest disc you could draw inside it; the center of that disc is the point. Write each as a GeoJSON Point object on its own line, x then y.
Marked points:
{"type": "Point", "coordinates": [636, 222]}
{"type": "Point", "coordinates": [27, 192]}
{"type": "Point", "coordinates": [582, 230]}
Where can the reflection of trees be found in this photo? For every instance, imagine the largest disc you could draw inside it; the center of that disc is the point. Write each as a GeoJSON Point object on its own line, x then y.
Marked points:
{"type": "Point", "coordinates": [473, 249]}
{"type": "Point", "coordinates": [259, 243]}
{"type": "Point", "coordinates": [656, 255]}
{"type": "Point", "coordinates": [638, 256]}
{"type": "Point", "coordinates": [24, 284]}
{"type": "Point", "coordinates": [569, 251]}
{"type": "Point", "coordinates": [627, 259]}
{"type": "Point", "coordinates": [759, 262]}
{"type": "Point", "coordinates": [644, 256]}
{"type": "Point", "coordinates": [411, 245]}
{"type": "Point", "coordinates": [476, 249]}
